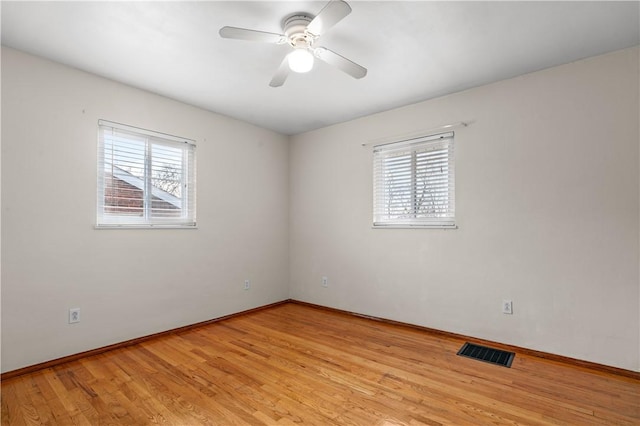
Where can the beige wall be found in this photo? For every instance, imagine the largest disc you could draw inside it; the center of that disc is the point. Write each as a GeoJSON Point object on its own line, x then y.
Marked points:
{"type": "Point", "coordinates": [547, 206]}
{"type": "Point", "coordinates": [128, 283]}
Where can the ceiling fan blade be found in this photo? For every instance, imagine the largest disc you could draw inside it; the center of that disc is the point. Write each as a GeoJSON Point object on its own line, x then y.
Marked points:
{"type": "Point", "coordinates": [330, 15]}
{"type": "Point", "coordinates": [338, 61]}
{"type": "Point", "coordinates": [252, 35]}
{"type": "Point", "coordinates": [281, 75]}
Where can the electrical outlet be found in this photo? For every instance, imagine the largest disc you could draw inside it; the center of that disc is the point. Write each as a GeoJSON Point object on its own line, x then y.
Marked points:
{"type": "Point", "coordinates": [325, 282]}
{"type": "Point", "coordinates": [247, 284]}
{"type": "Point", "coordinates": [507, 307]}
{"type": "Point", "coordinates": [74, 315]}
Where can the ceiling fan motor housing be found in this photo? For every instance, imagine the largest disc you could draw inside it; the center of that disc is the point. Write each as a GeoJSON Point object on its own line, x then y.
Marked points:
{"type": "Point", "coordinates": [295, 27]}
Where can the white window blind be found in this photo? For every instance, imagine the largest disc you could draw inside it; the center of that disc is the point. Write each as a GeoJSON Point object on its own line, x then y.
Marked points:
{"type": "Point", "coordinates": [414, 183]}
{"type": "Point", "coordinates": [145, 178]}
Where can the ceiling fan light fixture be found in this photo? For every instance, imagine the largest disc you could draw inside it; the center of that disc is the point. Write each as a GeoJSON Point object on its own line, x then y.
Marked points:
{"type": "Point", "coordinates": [300, 60]}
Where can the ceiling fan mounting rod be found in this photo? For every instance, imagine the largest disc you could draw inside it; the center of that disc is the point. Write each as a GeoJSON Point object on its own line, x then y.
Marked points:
{"type": "Point", "coordinates": [295, 28]}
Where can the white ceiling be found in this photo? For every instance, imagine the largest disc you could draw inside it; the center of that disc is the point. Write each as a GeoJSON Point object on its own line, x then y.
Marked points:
{"type": "Point", "coordinates": [413, 50]}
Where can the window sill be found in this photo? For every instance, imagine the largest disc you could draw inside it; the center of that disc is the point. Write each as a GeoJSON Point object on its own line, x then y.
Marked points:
{"type": "Point", "coordinates": [443, 227]}
{"type": "Point", "coordinates": [114, 226]}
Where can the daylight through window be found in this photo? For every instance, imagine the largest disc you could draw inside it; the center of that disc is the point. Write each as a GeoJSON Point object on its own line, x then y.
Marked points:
{"type": "Point", "coordinates": [144, 178]}
{"type": "Point", "coordinates": [414, 183]}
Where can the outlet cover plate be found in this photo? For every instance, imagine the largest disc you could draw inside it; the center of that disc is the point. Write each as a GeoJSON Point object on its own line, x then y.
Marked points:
{"type": "Point", "coordinates": [74, 315]}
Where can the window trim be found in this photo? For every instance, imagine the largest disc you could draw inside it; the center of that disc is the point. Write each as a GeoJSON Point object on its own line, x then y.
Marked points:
{"type": "Point", "coordinates": [410, 144]}
{"type": "Point", "coordinates": [187, 220]}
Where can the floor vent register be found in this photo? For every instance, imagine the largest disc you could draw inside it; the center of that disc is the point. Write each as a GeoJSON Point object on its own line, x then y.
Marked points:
{"type": "Point", "coordinates": [485, 354]}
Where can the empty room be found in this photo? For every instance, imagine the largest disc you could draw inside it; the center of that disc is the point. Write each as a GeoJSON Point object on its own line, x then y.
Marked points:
{"type": "Point", "coordinates": [320, 212]}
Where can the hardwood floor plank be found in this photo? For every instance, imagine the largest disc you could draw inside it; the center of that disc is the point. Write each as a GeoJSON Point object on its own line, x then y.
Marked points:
{"type": "Point", "coordinates": [293, 364]}
{"type": "Point", "coordinates": [12, 404]}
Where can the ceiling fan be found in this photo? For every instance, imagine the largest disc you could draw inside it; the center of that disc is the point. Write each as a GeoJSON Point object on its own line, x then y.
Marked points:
{"type": "Point", "coordinates": [301, 31]}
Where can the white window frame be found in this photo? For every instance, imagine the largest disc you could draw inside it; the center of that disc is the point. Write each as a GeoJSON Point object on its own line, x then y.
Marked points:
{"type": "Point", "coordinates": [186, 203]}
{"type": "Point", "coordinates": [428, 159]}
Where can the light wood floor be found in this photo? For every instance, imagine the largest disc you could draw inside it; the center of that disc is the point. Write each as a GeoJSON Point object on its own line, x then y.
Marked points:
{"type": "Point", "coordinates": [297, 364]}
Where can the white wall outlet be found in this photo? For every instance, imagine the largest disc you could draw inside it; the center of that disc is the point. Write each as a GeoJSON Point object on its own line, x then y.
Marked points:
{"type": "Point", "coordinates": [507, 307]}
{"type": "Point", "coordinates": [247, 284]}
{"type": "Point", "coordinates": [325, 282]}
{"type": "Point", "coordinates": [74, 315]}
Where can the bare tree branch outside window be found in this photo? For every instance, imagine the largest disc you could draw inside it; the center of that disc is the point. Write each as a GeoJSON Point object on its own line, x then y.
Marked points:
{"type": "Point", "coordinates": [169, 179]}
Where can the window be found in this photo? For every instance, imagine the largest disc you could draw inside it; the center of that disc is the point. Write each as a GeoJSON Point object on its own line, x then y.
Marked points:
{"type": "Point", "coordinates": [413, 183]}
{"type": "Point", "coordinates": [145, 178]}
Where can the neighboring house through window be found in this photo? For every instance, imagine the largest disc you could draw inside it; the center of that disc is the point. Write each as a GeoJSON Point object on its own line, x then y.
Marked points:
{"type": "Point", "coordinates": [414, 183]}
{"type": "Point", "coordinates": [145, 178]}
